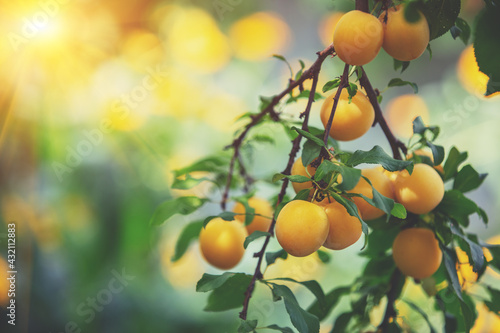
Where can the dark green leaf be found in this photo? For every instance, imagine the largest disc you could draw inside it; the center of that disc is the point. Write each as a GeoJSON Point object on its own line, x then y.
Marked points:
{"type": "Point", "coordinates": [210, 282]}
{"type": "Point", "coordinates": [230, 294]}
{"type": "Point", "coordinates": [255, 235]}
{"type": "Point", "coordinates": [449, 258]}
{"type": "Point", "coordinates": [301, 319]}
{"type": "Point", "coordinates": [473, 250]}
{"type": "Point", "coordinates": [332, 299]}
{"type": "Point", "coordinates": [324, 256]}
{"type": "Point", "coordinates": [352, 209]}
{"type": "Point", "coordinates": [455, 158]}
{"type": "Point", "coordinates": [188, 234]}
{"type": "Point", "coordinates": [226, 216]}
{"type": "Point", "coordinates": [341, 323]}
{"type": "Point", "coordinates": [468, 179]}
{"type": "Point", "coordinates": [272, 256]}
{"type": "Point", "coordinates": [310, 152]}
{"type": "Point", "coordinates": [331, 85]}
{"type": "Point", "coordinates": [441, 15]}
{"type": "Point", "coordinates": [412, 14]}
{"type": "Point", "coordinates": [280, 57]}
{"type": "Point", "coordinates": [379, 242]}
{"type": "Point", "coordinates": [422, 313]}
{"type": "Point", "coordinates": [437, 152]}
{"type": "Point", "coordinates": [309, 136]}
{"type": "Point", "coordinates": [464, 30]}
{"type": "Point", "coordinates": [399, 83]}
{"type": "Point", "coordinates": [487, 45]}
{"type": "Point", "coordinates": [379, 201]}
{"type": "Point", "coordinates": [352, 89]}
{"type": "Point", "coordinates": [457, 206]}
{"type": "Point", "coordinates": [247, 326]}
{"type": "Point", "coordinates": [303, 195]}
{"type": "Point", "coordinates": [401, 64]}
{"type": "Point", "coordinates": [281, 329]}
{"type": "Point", "coordinates": [494, 303]}
{"type": "Point", "coordinates": [181, 205]}
{"type": "Point", "coordinates": [378, 156]}
{"type": "Point", "coordinates": [313, 286]}
{"type": "Point", "coordinates": [350, 176]}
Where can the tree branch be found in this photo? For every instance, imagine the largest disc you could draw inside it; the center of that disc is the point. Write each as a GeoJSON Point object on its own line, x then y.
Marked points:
{"type": "Point", "coordinates": [344, 82]}
{"type": "Point", "coordinates": [314, 72]}
{"type": "Point", "coordinates": [396, 145]}
{"type": "Point", "coordinates": [269, 109]}
{"type": "Point", "coordinates": [392, 296]}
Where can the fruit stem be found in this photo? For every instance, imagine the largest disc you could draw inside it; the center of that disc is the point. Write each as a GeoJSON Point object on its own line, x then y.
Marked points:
{"type": "Point", "coordinates": [395, 144]}
{"type": "Point", "coordinates": [362, 5]}
{"type": "Point", "coordinates": [311, 72]}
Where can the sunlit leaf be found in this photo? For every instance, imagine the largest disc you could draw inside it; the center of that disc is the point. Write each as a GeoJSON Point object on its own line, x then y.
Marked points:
{"type": "Point", "coordinates": [182, 205]}
{"type": "Point", "coordinates": [188, 234]}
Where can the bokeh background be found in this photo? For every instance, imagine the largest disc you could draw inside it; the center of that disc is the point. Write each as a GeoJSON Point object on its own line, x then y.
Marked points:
{"type": "Point", "coordinates": [101, 100]}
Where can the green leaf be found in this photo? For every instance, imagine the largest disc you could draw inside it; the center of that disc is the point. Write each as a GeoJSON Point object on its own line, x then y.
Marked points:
{"type": "Point", "coordinates": [255, 235]}
{"type": "Point", "coordinates": [263, 138]}
{"type": "Point", "coordinates": [468, 179]}
{"type": "Point", "coordinates": [457, 207]}
{"type": "Point", "coordinates": [441, 15]}
{"type": "Point", "coordinates": [249, 211]}
{"type": "Point", "coordinates": [226, 216]}
{"type": "Point", "coordinates": [331, 85]}
{"type": "Point", "coordinates": [464, 28]}
{"type": "Point", "coordinates": [422, 313]}
{"type": "Point", "coordinates": [455, 158]}
{"type": "Point", "coordinates": [332, 299]}
{"type": "Point", "coordinates": [449, 258]}
{"type": "Point", "coordinates": [352, 89]}
{"type": "Point", "coordinates": [310, 152]}
{"type": "Point", "coordinates": [437, 152]}
{"type": "Point", "coordinates": [281, 329]}
{"type": "Point", "coordinates": [309, 136]}
{"type": "Point", "coordinates": [182, 205]}
{"type": "Point", "coordinates": [487, 45]}
{"type": "Point", "coordinates": [188, 182]}
{"type": "Point", "coordinates": [399, 83]}
{"type": "Point", "coordinates": [292, 178]}
{"type": "Point", "coordinates": [411, 13]}
{"type": "Point", "coordinates": [271, 257]}
{"type": "Point", "coordinates": [313, 286]}
{"type": "Point", "coordinates": [350, 176]}
{"type": "Point", "coordinates": [379, 201]}
{"type": "Point", "coordinates": [208, 164]}
{"type": "Point", "coordinates": [378, 156]}
{"type": "Point", "coordinates": [210, 282]}
{"type": "Point", "coordinates": [341, 323]}
{"type": "Point", "coordinates": [301, 319]}
{"type": "Point", "coordinates": [400, 64]}
{"type": "Point", "coordinates": [379, 241]}
{"type": "Point", "coordinates": [230, 294]}
{"type": "Point", "coordinates": [473, 250]}
{"type": "Point", "coordinates": [352, 209]}
{"type": "Point", "coordinates": [303, 195]}
{"type": "Point", "coordinates": [188, 234]}
{"type": "Point", "coordinates": [247, 326]}
{"type": "Point", "coordinates": [398, 211]}
{"type": "Point", "coordinates": [324, 256]}
{"type": "Point", "coordinates": [280, 57]}
{"type": "Point", "coordinates": [420, 128]}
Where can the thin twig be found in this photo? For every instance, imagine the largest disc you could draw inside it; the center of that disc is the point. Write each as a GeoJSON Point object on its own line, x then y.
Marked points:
{"type": "Point", "coordinates": [314, 72]}
{"type": "Point", "coordinates": [269, 109]}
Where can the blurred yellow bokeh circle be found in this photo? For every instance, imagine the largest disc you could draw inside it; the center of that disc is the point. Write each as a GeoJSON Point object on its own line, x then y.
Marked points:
{"type": "Point", "coordinates": [469, 75]}
{"type": "Point", "coordinates": [185, 272]}
{"type": "Point", "coordinates": [486, 322]}
{"type": "Point", "coordinates": [194, 40]}
{"type": "Point", "coordinates": [258, 36]}
{"type": "Point", "coordinates": [327, 27]}
{"type": "Point", "coordinates": [402, 110]}
{"type": "Point", "coordinates": [142, 48]}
